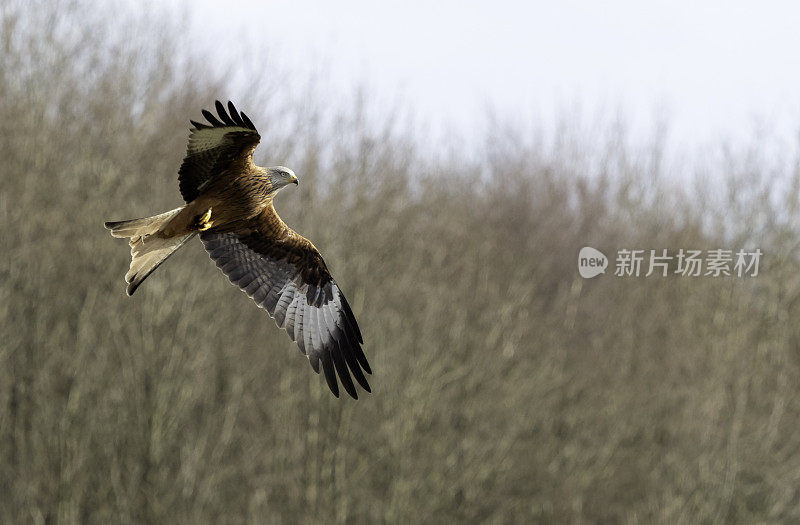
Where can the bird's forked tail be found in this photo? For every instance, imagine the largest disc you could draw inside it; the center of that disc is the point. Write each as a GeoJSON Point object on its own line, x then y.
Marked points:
{"type": "Point", "coordinates": [148, 249]}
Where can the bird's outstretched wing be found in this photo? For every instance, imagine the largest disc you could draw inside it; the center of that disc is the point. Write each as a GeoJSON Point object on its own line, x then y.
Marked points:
{"type": "Point", "coordinates": [214, 147]}
{"type": "Point", "coordinates": [287, 277]}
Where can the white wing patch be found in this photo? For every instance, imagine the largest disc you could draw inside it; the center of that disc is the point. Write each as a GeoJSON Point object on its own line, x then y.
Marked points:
{"type": "Point", "coordinates": [326, 333]}
{"type": "Point", "coordinates": [209, 138]}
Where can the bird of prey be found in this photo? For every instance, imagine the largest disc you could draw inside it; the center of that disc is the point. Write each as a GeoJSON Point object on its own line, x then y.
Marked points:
{"type": "Point", "coordinates": [229, 205]}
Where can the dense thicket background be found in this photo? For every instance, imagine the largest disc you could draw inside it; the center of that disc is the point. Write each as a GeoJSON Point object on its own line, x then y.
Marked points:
{"type": "Point", "coordinates": [506, 388]}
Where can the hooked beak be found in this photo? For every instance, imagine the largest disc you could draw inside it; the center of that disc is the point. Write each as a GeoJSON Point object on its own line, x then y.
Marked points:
{"type": "Point", "coordinates": [294, 180]}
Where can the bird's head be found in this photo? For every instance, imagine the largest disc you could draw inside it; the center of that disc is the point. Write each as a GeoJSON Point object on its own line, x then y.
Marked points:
{"type": "Point", "coordinates": [280, 177]}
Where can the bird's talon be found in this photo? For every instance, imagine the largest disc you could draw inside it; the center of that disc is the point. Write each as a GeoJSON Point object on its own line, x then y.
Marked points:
{"type": "Point", "coordinates": [205, 221]}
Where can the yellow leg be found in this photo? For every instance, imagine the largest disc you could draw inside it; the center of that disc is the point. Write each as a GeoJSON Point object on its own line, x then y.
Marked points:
{"type": "Point", "coordinates": [205, 221]}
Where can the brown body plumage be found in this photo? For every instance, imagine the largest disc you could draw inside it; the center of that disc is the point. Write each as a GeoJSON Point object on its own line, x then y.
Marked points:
{"type": "Point", "coordinates": [229, 204]}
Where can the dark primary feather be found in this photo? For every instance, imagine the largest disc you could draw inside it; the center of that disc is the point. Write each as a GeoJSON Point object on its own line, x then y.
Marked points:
{"type": "Point", "coordinates": [237, 119]}
{"type": "Point", "coordinates": [288, 278]}
{"type": "Point", "coordinates": [211, 118]}
{"type": "Point", "coordinates": [223, 114]}
{"type": "Point", "coordinates": [213, 147]}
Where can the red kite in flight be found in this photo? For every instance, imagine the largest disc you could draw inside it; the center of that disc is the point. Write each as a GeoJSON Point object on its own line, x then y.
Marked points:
{"type": "Point", "coordinates": [229, 204]}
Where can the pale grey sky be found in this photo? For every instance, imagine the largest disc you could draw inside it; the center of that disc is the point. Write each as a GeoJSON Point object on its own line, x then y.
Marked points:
{"type": "Point", "coordinates": [714, 70]}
